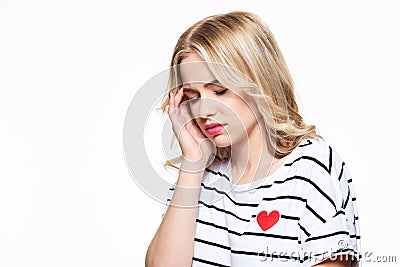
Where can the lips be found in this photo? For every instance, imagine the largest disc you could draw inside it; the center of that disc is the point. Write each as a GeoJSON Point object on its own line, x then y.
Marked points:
{"type": "Point", "coordinates": [214, 128]}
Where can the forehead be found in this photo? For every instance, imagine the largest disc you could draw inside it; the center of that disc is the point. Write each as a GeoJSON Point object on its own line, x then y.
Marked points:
{"type": "Point", "coordinates": [193, 69]}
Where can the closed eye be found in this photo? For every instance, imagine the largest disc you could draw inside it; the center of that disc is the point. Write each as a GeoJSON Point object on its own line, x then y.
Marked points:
{"type": "Point", "coordinates": [221, 92]}
{"type": "Point", "coordinates": [193, 94]}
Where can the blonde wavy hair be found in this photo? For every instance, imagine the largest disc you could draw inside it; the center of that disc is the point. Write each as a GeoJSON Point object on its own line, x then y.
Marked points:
{"type": "Point", "coordinates": [243, 42]}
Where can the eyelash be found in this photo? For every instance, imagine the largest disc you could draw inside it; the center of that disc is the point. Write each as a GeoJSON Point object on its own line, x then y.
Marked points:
{"type": "Point", "coordinates": [216, 92]}
{"type": "Point", "coordinates": [221, 92]}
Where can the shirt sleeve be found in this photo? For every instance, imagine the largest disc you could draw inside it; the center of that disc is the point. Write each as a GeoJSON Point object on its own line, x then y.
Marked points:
{"type": "Point", "coordinates": [329, 221]}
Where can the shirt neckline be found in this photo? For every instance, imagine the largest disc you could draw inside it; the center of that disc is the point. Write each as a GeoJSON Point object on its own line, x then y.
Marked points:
{"type": "Point", "coordinates": [261, 181]}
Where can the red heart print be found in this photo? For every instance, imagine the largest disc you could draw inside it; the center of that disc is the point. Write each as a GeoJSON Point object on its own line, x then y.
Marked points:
{"type": "Point", "coordinates": [266, 221]}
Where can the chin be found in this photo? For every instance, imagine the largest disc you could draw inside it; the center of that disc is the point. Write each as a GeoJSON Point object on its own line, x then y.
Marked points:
{"type": "Point", "coordinates": [222, 141]}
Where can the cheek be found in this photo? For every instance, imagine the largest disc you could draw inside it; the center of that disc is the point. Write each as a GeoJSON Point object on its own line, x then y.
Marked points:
{"type": "Point", "coordinates": [231, 107]}
{"type": "Point", "coordinates": [240, 111]}
{"type": "Point", "coordinates": [245, 119]}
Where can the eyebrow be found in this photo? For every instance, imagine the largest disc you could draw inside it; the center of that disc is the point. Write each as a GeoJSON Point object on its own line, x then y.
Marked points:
{"type": "Point", "coordinates": [212, 82]}
{"type": "Point", "coordinates": [206, 85]}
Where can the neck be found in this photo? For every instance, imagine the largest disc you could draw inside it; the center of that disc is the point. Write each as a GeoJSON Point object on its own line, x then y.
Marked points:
{"type": "Point", "coordinates": [251, 159]}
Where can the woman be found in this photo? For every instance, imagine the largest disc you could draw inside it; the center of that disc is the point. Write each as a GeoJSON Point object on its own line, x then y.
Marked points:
{"type": "Point", "coordinates": [256, 184]}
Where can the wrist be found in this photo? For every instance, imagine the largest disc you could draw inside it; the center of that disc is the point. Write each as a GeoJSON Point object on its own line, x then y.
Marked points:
{"type": "Point", "coordinates": [193, 166]}
{"type": "Point", "coordinates": [187, 189]}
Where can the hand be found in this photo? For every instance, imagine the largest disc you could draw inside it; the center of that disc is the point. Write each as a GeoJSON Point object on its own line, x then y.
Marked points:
{"type": "Point", "coordinates": [196, 148]}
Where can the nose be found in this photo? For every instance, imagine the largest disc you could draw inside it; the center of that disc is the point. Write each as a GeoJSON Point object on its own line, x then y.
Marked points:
{"type": "Point", "coordinates": [204, 107]}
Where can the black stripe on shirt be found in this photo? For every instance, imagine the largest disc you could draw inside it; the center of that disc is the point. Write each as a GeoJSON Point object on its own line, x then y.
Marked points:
{"type": "Point", "coordinates": [341, 171]}
{"type": "Point", "coordinates": [266, 256]}
{"type": "Point", "coordinates": [300, 199]}
{"type": "Point", "coordinates": [271, 235]}
{"type": "Point", "coordinates": [261, 254]}
{"type": "Point", "coordinates": [296, 198]}
{"type": "Point", "coordinates": [339, 212]}
{"type": "Point", "coordinates": [347, 199]}
{"type": "Point", "coordinates": [245, 233]}
{"type": "Point", "coordinates": [301, 178]}
{"type": "Point", "coordinates": [283, 216]}
{"type": "Point", "coordinates": [209, 262]}
{"type": "Point", "coordinates": [308, 143]}
{"type": "Point", "coordinates": [315, 213]}
{"type": "Point", "coordinates": [304, 230]}
{"type": "Point", "coordinates": [352, 251]}
{"type": "Point", "coordinates": [218, 227]}
{"type": "Point", "coordinates": [213, 225]}
{"type": "Point", "coordinates": [211, 243]}
{"type": "Point", "coordinates": [224, 193]}
{"type": "Point", "coordinates": [222, 210]}
{"type": "Point", "coordinates": [284, 197]}
{"type": "Point", "coordinates": [243, 252]}
{"type": "Point", "coordinates": [327, 235]}
{"type": "Point", "coordinates": [218, 173]}
{"type": "Point", "coordinates": [326, 168]}
{"type": "Point", "coordinates": [355, 236]}
{"type": "Point", "coordinates": [290, 217]}
{"type": "Point", "coordinates": [267, 199]}
{"type": "Point", "coordinates": [252, 253]}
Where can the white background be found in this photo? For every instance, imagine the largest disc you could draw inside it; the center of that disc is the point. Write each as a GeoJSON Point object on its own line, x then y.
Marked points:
{"type": "Point", "coordinates": [69, 69]}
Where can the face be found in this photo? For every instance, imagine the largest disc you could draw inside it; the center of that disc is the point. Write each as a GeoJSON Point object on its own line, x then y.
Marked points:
{"type": "Point", "coordinates": [223, 115]}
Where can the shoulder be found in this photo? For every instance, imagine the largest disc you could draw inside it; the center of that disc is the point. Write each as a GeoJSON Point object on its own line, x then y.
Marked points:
{"type": "Point", "coordinates": [327, 177]}
{"type": "Point", "coordinates": [317, 156]}
{"type": "Point", "coordinates": [329, 217]}
{"type": "Point", "coordinates": [322, 171]}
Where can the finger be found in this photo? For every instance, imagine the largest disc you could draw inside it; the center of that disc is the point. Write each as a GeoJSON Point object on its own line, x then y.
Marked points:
{"type": "Point", "coordinates": [179, 96]}
{"type": "Point", "coordinates": [182, 106]}
{"type": "Point", "coordinates": [174, 100]}
{"type": "Point", "coordinates": [171, 103]}
{"type": "Point", "coordinates": [176, 113]}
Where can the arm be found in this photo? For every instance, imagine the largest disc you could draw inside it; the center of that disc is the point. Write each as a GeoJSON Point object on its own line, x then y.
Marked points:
{"type": "Point", "coordinates": [173, 243]}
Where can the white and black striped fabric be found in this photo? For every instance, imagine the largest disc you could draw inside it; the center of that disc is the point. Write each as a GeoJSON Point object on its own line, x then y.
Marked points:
{"type": "Point", "coordinates": [300, 215]}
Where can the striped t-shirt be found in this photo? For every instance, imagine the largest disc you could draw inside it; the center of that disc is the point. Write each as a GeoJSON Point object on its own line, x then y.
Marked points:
{"type": "Point", "coordinates": [300, 215]}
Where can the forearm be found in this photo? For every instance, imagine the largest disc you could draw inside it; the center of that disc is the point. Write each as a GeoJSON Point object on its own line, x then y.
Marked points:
{"type": "Point", "coordinates": [173, 243]}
